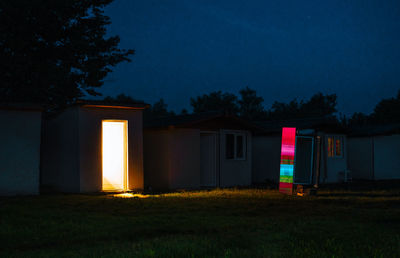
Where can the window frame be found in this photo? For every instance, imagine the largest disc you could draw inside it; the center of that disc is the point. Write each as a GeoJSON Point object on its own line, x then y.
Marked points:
{"type": "Point", "coordinates": [235, 145]}
{"type": "Point", "coordinates": [334, 150]}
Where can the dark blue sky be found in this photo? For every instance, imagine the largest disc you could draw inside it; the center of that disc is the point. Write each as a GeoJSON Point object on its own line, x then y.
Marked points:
{"type": "Point", "coordinates": [282, 49]}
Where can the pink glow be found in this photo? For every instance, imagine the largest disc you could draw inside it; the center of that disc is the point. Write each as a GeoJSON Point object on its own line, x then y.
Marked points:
{"type": "Point", "coordinates": [288, 150]}
{"type": "Point", "coordinates": [287, 160]}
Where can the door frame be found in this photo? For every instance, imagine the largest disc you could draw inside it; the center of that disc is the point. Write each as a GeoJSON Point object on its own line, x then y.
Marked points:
{"type": "Point", "coordinates": [126, 157]}
{"type": "Point", "coordinates": [312, 160]}
{"type": "Point", "coordinates": [215, 134]}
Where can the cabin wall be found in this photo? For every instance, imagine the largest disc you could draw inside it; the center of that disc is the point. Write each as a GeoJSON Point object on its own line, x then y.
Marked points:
{"type": "Point", "coordinates": [19, 152]}
{"type": "Point", "coordinates": [172, 158]}
{"type": "Point", "coordinates": [90, 160]}
{"type": "Point", "coordinates": [235, 172]}
{"type": "Point", "coordinates": [156, 159]}
{"type": "Point", "coordinates": [360, 157]}
{"type": "Point", "coordinates": [266, 157]}
{"type": "Point", "coordinates": [387, 157]}
{"type": "Point", "coordinates": [173, 155]}
{"type": "Point", "coordinates": [60, 152]}
{"type": "Point", "coordinates": [184, 157]}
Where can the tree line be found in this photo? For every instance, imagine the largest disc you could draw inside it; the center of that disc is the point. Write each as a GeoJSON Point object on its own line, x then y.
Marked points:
{"type": "Point", "coordinates": [248, 105]}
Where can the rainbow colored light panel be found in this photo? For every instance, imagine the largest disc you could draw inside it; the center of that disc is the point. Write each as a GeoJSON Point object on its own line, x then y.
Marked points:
{"type": "Point", "coordinates": [287, 160]}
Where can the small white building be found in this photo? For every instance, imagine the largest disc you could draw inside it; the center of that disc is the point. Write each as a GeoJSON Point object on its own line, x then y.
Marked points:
{"type": "Point", "coordinates": [320, 152]}
{"type": "Point", "coordinates": [20, 134]}
{"type": "Point", "coordinates": [193, 151]}
{"type": "Point", "coordinates": [93, 146]}
{"type": "Point", "coordinates": [374, 152]}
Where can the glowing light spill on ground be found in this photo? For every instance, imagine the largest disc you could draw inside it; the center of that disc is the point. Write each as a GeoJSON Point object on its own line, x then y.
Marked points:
{"type": "Point", "coordinates": [132, 195]}
{"type": "Point", "coordinates": [287, 160]}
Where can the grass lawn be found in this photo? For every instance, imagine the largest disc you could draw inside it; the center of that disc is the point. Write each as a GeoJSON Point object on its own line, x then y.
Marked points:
{"type": "Point", "coordinates": [218, 223]}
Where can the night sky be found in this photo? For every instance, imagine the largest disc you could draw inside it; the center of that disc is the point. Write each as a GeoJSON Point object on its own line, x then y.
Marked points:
{"type": "Point", "coordinates": [282, 49]}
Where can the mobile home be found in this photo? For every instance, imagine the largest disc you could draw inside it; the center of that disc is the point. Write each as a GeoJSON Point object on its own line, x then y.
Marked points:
{"type": "Point", "coordinates": [320, 152]}
{"type": "Point", "coordinates": [193, 151]}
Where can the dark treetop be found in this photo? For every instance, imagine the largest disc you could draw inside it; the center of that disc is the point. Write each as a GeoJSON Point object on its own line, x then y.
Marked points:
{"type": "Point", "coordinates": [54, 52]}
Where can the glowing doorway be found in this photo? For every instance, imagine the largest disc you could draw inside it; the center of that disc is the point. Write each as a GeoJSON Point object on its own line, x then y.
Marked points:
{"type": "Point", "coordinates": [115, 155]}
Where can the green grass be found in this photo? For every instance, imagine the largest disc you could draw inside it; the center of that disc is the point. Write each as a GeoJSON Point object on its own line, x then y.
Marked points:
{"type": "Point", "coordinates": [218, 223]}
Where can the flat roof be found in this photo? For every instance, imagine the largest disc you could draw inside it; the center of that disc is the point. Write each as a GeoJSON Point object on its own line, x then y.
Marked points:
{"type": "Point", "coordinates": [109, 104]}
{"type": "Point", "coordinates": [325, 124]}
{"type": "Point", "coordinates": [196, 120]}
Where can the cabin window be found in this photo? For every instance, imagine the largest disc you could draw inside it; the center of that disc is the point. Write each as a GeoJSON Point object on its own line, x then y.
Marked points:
{"type": "Point", "coordinates": [235, 146]}
{"type": "Point", "coordinates": [338, 147]}
{"type": "Point", "coordinates": [230, 146]}
{"type": "Point", "coordinates": [330, 146]}
{"type": "Point", "coordinates": [335, 146]}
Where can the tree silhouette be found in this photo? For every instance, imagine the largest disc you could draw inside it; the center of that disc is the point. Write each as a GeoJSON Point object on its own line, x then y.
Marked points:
{"type": "Point", "coordinates": [215, 101]}
{"type": "Point", "coordinates": [358, 118]}
{"type": "Point", "coordinates": [318, 105]}
{"type": "Point", "coordinates": [387, 111]}
{"type": "Point", "coordinates": [157, 110]}
{"type": "Point", "coordinates": [54, 52]}
{"type": "Point", "coordinates": [281, 110]}
{"type": "Point", "coordinates": [122, 98]}
{"type": "Point", "coordinates": [251, 105]}
{"type": "Point", "coordinates": [184, 111]}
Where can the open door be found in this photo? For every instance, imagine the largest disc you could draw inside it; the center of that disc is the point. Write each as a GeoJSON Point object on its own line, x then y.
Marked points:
{"type": "Point", "coordinates": [115, 155]}
{"type": "Point", "coordinates": [304, 159]}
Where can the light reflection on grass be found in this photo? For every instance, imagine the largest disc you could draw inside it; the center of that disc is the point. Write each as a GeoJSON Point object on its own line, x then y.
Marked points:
{"type": "Point", "coordinates": [132, 195]}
